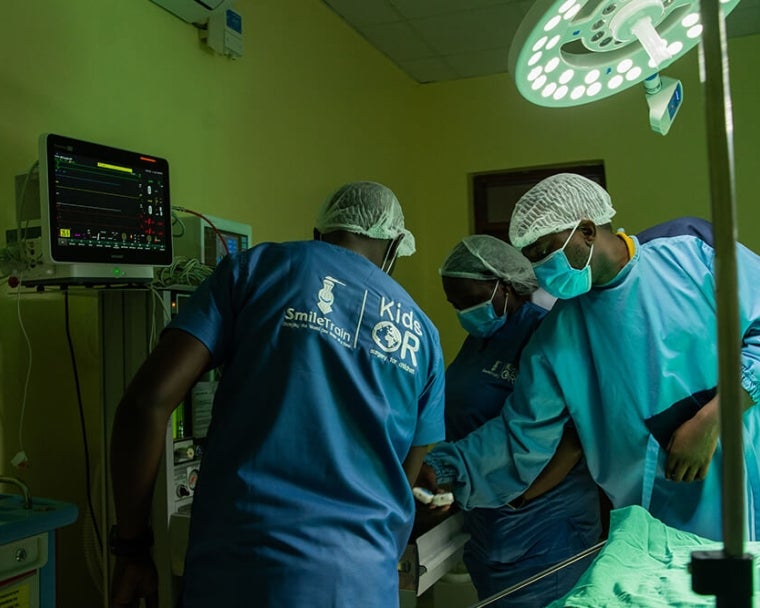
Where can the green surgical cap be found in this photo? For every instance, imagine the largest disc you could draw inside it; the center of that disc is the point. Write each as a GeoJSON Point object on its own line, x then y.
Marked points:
{"type": "Point", "coordinates": [555, 204]}
{"type": "Point", "coordinates": [483, 257]}
{"type": "Point", "coordinates": [366, 208]}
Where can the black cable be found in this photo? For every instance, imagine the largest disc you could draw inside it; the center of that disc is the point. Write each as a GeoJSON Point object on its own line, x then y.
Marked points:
{"type": "Point", "coordinates": [82, 423]}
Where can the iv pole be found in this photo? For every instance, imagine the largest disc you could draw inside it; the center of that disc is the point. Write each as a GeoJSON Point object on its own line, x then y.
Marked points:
{"type": "Point", "coordinates": [727, 574]}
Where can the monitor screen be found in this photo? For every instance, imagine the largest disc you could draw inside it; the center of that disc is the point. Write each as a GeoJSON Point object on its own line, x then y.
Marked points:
{"type": "Point", "coordinates": [215, 250]}
{"type": "Point", "coordinates": [104, 205]}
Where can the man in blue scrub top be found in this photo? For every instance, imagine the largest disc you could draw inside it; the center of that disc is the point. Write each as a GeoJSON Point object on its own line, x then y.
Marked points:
{"type": "Point", "coordinates": [490, 283]}
{"type": "Point", "coordinates": [332, 387]}
{"type": "Point", "coordinates": [629, 355]}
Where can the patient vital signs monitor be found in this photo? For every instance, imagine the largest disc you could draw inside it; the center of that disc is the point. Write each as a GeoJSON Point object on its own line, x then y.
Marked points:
{"type": "Point", "coordinates": [105, 214]}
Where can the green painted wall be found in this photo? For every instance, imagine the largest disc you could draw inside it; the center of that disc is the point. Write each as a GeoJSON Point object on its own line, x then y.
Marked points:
{"type": "Point", "coordinates": [262, 140]}
{"type": "Point", "coordinates": [483, 124]}
{"type": "Point", "coordinates": [265, 139]}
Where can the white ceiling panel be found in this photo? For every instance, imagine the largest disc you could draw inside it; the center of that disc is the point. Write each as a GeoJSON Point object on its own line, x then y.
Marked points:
{"type": "Point", "coordinates": [415, 9]}
{"type": "Point", "coordinates": [432, 69]}
{"type": "Point", "coordinates": [480, 63]}
{"type": "Point", "coordinates": [362, 13]}
{"type": "Point", "coordinates": [436, 40]}
{"type": "Point", "coordinates": [471, 30]}
{"type": "Point", "coordinates": [398, 40]}
{"type": "Point", "coordinates": [744, 20]}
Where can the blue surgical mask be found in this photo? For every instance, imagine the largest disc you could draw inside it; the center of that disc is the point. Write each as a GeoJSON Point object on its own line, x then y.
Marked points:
{"type": "Point", "coordinates": [557, 276]}
{"type": "Point", "coordinates": [481, 320]}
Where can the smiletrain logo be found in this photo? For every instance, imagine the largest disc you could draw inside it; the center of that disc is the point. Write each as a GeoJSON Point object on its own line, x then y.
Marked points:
{"type": "Point", "coordinates": [325, 296]}
{"type": "Point", "coordinates": [503, 370]}
{"type": "Point", "coordinates": [314, 321]}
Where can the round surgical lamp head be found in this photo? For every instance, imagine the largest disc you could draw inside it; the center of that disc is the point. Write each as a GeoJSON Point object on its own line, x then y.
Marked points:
{"type": "Point", "coordinates": [572, 52]}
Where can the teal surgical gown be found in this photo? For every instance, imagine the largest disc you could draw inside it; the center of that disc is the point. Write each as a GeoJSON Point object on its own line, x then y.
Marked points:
{"type": "Point", "coordinates": [508, 545]}
{"type": "Point", "coordinates": [330, 374]}
{"type": "Point", "coordinates": [627, 362]}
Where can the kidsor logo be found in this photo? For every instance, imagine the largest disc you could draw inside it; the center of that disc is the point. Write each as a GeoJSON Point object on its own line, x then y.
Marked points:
{"type": "Point", "coordinates": [397, 335]}
{"type": "Point", "coordinates": [325, 296]}
{"type": "Point", "coordinates": [387, 336]}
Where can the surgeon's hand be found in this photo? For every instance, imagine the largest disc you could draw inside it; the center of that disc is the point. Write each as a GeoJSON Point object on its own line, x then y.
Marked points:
{"type": "Point", "coordinates": [426, 479]}
{"type": "Point", "coordinates": [134, 578]}
{"type": "Point", "coordinates": [693, 444]}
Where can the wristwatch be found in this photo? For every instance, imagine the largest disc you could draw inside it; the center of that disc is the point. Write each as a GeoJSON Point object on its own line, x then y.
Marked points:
{"type": "Point", "coordinates": [132, 547]}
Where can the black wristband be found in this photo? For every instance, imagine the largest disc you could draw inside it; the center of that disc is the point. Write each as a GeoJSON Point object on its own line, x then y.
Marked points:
{"type": "Point", "coordinates": [133, 547]}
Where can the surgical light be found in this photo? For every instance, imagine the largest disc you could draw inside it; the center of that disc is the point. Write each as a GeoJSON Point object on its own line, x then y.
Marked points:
{"type": "Point", "coordinates": [597, 48]}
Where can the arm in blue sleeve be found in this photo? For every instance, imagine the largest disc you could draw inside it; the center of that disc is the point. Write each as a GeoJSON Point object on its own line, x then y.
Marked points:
{"type": "Point", "coordinates": [496, 463]}
{"type": "Point", "coordinates": [430, 424]}
{"type": "Point", "coordinates": [748, 269]}
{"type": "Point", "coordinates": [209, 313]}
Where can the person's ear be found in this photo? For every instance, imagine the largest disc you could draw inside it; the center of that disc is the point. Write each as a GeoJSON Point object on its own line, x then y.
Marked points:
{"type": "Point", "coordinates": [588, 229]}
{"type": "Point", "coordinates": [395, 244]}
{"type": "Point", "coordinates": [390, 254]}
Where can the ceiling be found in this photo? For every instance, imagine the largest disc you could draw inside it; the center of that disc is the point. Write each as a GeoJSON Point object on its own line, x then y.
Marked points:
{"type": "Point", "coordinates": [437, 40]}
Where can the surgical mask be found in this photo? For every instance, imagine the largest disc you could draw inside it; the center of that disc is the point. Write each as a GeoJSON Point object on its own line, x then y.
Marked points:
{"type": "Point", "coordinates": [557, 276]}
{"type": "Point", "coordinates": [481, 320]}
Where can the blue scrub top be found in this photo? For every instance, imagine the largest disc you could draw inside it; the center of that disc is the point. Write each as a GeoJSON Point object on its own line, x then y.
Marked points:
{"type": "Point", "coordinates": [331, 373]}
{"type": "Point", "coordinates": [484, 371]}
{"type": "Point", "coordinates": [638, 350]}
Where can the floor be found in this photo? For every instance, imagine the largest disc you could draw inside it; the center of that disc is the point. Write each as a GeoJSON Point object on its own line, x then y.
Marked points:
{"type": "Point", "coordinates": [426, 600]}
{"type": "Point", "coordinates": [441, 595]}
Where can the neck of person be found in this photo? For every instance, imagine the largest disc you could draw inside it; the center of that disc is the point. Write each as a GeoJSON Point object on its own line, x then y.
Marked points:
{"type": "Point", "coordinates": [374, 250]}
{"type": "Point", "coordinates": [618, 255]}
{"type": "Point", "coordinates": [515, 302]}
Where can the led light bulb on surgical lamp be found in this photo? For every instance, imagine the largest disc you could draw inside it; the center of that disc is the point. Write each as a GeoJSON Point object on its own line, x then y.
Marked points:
{"type": "Point", "coordinates": [573, 52]}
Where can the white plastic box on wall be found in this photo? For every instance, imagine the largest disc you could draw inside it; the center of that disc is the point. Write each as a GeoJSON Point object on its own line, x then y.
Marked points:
{"type": "Point", "coordinates": [225, 33]}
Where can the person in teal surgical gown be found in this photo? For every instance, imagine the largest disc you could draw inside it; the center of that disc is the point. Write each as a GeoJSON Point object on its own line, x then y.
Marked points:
{"type": "Point", "coordinates": [489, 283]}
{"type": "Point", "coordinates": [331, 391]}
{"type": "Point", "coordinates": [628, 354]}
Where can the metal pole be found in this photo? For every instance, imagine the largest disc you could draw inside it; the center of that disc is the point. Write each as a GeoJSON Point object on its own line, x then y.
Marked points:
{"type": "Point", "coordinates": [721, 170]}
{"type": "Point", "coordinates": [725, 574]}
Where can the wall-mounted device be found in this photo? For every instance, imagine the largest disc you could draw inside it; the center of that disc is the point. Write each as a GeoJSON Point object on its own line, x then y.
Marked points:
{"type": "Point", "coordinates": [195, 11]}
{"type": "Point", "coordinates": [104, 215]}
{"type": "Point", "coordinates": [224, 34]}
{"type": "Point", "coordinates": [195, 238]}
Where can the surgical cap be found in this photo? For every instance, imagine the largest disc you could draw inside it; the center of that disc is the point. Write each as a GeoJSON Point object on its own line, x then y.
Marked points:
{"type": "Point", "coordinates": [483, 257]}
{"type": "Point", "coordinates": [555, 204]}
{"type": "Point", "coordinates": [366, 208]}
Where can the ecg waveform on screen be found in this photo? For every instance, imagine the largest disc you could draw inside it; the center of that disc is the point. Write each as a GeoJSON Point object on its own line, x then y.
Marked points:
{"type": "Point", "coordinates": [108, 205]}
